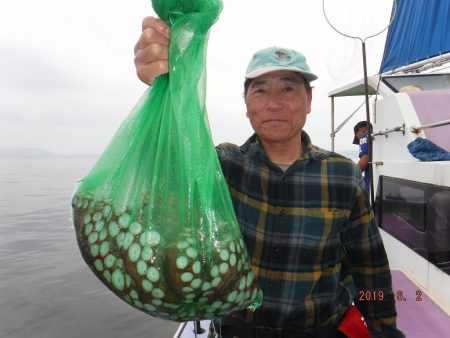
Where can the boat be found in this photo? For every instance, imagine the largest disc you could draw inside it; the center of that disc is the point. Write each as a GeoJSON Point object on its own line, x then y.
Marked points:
{"type": "Point", "coordinates": [410, 101]}
{"type": "Point", "coordinates": [410, 115]}
{"type": "Point", "coordinates": [197, 329]}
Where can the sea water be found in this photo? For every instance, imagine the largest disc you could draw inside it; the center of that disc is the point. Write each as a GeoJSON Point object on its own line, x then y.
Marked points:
{"type": "Point", "coordinates": [46, 289]}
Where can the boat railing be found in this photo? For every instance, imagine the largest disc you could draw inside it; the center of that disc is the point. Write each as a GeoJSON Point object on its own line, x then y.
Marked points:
{"type": "Point", "coordinates": [414, 130]}
{"type": "Point", "coordinates": [391, 130]}
{"type": "Point", "coordinates": [196, 329]}
{"type": "Point", "coordinates": [417, 130]}
{"type": "Point", "coordinates": [180, 330]}
{"type": "Point", "coordinates": [421, 66]}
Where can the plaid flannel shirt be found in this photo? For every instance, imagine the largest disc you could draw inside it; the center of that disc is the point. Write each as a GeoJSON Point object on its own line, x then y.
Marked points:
{"type": "Point", "coordinates": [311, 237]}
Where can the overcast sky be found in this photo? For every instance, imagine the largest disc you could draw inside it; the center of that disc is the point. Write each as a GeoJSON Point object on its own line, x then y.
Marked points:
{"type": "Point", "coordinates": [67, 77]}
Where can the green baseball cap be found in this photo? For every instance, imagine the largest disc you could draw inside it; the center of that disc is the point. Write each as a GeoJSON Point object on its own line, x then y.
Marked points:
{"type": "Point", "coordinates": [275, 58]}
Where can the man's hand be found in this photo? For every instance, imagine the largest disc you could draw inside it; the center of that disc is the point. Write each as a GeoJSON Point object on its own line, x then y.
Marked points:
{"type": "Point", "coordinates": [151, 53]}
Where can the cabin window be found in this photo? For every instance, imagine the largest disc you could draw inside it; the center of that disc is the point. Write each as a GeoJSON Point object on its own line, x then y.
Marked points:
{"type": "Point", "coordinates": [418, 215]}
{"type": "Point", "coordinates": [425, 81]}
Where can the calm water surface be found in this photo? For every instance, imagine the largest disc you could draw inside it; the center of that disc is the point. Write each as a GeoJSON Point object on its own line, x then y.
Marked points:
{"type": "Point", "coordinates": [46, 289]}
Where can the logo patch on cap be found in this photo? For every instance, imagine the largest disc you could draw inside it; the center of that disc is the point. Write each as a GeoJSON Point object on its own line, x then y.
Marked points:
{"type": "Point", "coordinates": [282, 55]}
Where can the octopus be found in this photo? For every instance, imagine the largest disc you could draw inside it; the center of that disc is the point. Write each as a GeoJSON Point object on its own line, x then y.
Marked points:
{"type": "Point", "coordinates": [186, 277]}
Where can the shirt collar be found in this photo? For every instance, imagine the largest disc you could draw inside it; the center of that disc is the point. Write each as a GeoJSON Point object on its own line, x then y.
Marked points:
{"type": "Point", "coordinates": [253, 146]}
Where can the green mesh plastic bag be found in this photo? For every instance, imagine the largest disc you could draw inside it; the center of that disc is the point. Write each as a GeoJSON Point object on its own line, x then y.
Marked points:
{"type": "Point", "coordinates": [153, 218]}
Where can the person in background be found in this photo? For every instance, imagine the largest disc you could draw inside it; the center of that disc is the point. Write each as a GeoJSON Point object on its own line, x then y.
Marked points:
{"type": "Point", "coordinates": [414, 88]}
{"type": "Point", "coordinates": [361, 138]}
{"type": "Point", "coordinates": [303, 212]}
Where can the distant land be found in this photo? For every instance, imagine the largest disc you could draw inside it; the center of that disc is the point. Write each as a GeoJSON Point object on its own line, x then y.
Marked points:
{"type": "Point", "coordinates": [38, 152]}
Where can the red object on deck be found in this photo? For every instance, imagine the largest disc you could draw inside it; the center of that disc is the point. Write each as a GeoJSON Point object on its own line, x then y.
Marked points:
{"type": "Point", "coordinates": [353, 324]}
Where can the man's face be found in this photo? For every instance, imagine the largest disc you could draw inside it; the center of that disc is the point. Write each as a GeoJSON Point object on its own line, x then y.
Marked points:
{"type": "Point", "coordinates": [277, 105]}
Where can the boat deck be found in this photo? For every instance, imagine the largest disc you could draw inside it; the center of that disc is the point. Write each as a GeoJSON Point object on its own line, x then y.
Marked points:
{"type": "Point", "coordinates": [418, 315]}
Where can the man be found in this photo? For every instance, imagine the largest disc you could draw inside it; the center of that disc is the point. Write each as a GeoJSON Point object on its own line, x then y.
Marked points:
{"type": "Point", "coordinates": [303, 212]}
{"type": "Point", "coordinates": [361, 138]}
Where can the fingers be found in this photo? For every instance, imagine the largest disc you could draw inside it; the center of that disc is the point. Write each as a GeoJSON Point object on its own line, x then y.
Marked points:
{"type": "Point", "coordinates": [154, 30]}
{"type": "Point", "coordinates": [157, 24]}
{"type": "Point", "coordinates": [149, 68]}
{"type": "Point", "coordinates": [152, 50]}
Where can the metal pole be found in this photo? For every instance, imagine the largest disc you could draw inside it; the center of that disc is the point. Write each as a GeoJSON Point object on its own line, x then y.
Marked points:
{"type": "Point", "coordinates": [393, 14]}
{"type": "Point", "coordinates": [198, 328]}
{"type": "Point", "coordinates": [369, 138]}
{"type": "Point", "coordinates": [332, 124]}
{"type": "Point", "coordinates": [431, 125]}
{"type": "Point", "coordinates": [180, 330]}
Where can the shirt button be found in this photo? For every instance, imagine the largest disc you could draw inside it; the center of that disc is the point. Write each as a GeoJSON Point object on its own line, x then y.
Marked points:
{"type": "Point", "coordinates": [282, 213]}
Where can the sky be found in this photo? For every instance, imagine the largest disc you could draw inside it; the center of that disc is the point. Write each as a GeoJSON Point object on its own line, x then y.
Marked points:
{"type": "Point", "coordinates": [67, 75]}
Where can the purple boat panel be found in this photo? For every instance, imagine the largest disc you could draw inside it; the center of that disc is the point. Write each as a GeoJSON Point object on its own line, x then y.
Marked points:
{"type": "Point", "coordinates": [434, 106]}
{"type": "Point", "coordinates": [418, 316]}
